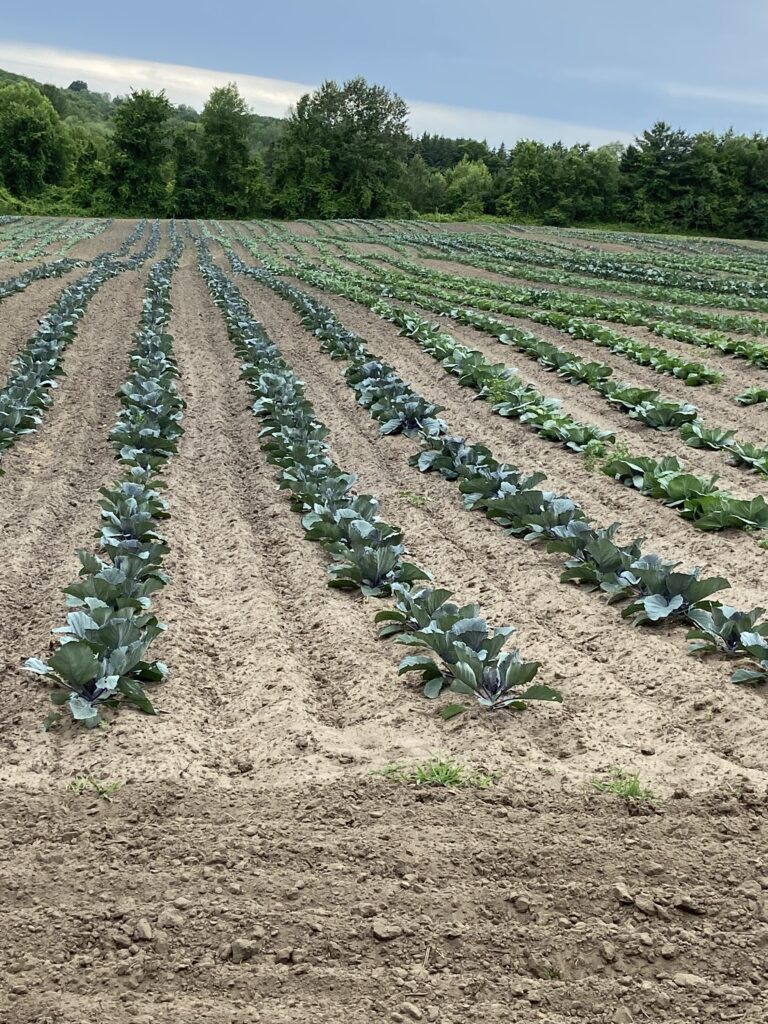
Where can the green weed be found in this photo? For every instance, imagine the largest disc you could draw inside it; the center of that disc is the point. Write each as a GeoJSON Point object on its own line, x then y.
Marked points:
{"type": "Point", "coordinates": [624, 785]}
{"type": "Point", "coordinates": [438, 771]}
{"type": "Point", "coordinates": [86, 784]}
{"type": "Point", "coordinates": [415, 499]}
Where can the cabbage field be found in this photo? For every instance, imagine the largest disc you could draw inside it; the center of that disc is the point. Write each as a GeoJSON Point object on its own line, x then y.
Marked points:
{"type": "Point", "coordinates": [383, 623]}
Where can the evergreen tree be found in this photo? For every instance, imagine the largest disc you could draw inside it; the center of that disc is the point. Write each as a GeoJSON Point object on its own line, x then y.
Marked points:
{"type": "Point", "coordinates": [188, 190]}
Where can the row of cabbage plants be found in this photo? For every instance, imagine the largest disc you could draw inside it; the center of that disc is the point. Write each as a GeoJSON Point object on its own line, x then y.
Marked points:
{"type": "Point", "coordinates": [58, 267]}
{"type": "Point", "coordinates": [457, 651]}
{"type": "Point", "coordinates": [665, 322]}
{"type": "Point", "coordinates": [22, 233]}
{"type": "Point", "coordinates": [474, 251]}
{"type": "Point", "coordinates": [662, 273]}
{"type": "Point", "coordinates": [654, 590]}
{"type": "Point", "coordinates": [32, 379]}
{"type": "Point", "coordinates": [68, 235]}
{"type": "Point", "coordinates": [709, 253]}
{"type": "Point", "coordinates": [645, 405]}
{"type": "Point", "coordinates": [692, 373]}
{"type": "Point", "coordinates": [101, 658]}
{"type": "Point", "coordinates": [696, 498]}
{"type": "Point", "coordinates": [660, 318]}
{"type": "Point", "coordinates": [512, 397]}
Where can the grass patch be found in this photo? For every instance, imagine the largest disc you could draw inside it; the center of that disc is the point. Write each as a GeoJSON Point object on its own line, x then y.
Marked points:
{"type": "Point", "coordinates": [438, 771]}
{"type": "Point", "coordinates": [415, 499]}
{"type": "Point", "coordinates": [623, 784]}
{"type": "Point", "coordinates": [87, 784]}
{"type": "Point", "coordinates": [593, 453]}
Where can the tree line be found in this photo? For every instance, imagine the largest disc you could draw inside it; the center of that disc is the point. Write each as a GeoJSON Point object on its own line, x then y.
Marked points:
{"type": "Point", "coordinates": [345, 151]}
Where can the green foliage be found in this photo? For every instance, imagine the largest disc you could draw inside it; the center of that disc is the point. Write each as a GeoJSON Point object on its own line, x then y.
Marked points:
{"type": "Point", "coordinates": [345, 152]}
{"type": "Point", "coordinates": [469, 187]}
{"type": "Point", "coordinates": [225, 155]}
{"type": "Point", "coordinates": [33, 142]}
{"type": "Point", "coordinates": [439, 770]}
{"type": "Point", "coordinates": [341, 153]}
{"type": "Point", "coordinates": [88, 784]}
{"type": "Point", "coordinates": [188, 188]}
{"type": "Point", "coordinates": [137, 167]}
{"type": "Point", "coordinates": [101, 660]}
{"type": "Point", "coordinates": [625, 785]}
{"type": "Point", "coordinates": [422, 187]}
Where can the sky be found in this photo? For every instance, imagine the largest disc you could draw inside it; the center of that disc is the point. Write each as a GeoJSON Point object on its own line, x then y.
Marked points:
{"type": "Point", "coordinates": [591, 71]}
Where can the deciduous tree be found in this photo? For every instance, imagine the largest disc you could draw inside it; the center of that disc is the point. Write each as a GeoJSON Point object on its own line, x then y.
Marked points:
{"type": "Point", "coordinates": [33, 141]}
{"type": "Point", "coordinates": [138, 165]}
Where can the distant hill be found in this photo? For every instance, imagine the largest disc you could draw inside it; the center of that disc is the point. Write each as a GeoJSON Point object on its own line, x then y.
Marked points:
{"type": "Point", "coordinates": [79, 105]}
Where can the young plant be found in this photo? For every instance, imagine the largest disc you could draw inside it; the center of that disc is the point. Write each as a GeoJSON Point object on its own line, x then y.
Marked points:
{"type": "Point", "coordinates": [624, 785]}
{"type": "Point", "coordinates": [440, 771]}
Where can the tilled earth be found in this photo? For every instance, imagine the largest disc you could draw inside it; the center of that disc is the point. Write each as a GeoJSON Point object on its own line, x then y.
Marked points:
{"type": "Point", "coordinates": [255, 865]}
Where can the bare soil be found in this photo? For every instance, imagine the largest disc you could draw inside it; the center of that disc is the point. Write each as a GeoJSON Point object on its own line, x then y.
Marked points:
{"type": "Point", "coordinates": [20, 312]}
{"type": "Point", "coordinates": [255, 866]}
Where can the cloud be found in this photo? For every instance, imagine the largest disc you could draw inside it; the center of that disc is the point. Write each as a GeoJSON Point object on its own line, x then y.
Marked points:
{"type": "Point", "coordinates": [744, 97]}
{"type": "Point", "coordinates": [496, 126]}
{"type": "Point", "coordinates": [740, 97]}
{"type": "Point", "coordinates": [117, 75]}
{"type": "Point", "coordinates": [190, 85]}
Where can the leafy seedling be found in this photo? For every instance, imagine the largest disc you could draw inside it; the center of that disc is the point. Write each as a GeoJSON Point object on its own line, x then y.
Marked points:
{"type": "Point", "coordinates": [87, 784]}
{"type": "Point", "coordinates": [417, 500]}
{"type": "Point", "coordinates": [622, 784]}
{"type": "Point", "coordinates": [438, 771]}
{"type": "Point", "coordinates": [593, 452]}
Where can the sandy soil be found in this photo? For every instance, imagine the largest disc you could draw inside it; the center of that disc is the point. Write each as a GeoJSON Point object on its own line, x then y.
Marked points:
{"type": "Point", "coordinates": [461, 269]}
{"type": "Point", "coordinates": [252, 868]}
{"type": "Point", "coordinates": [738, 374]}
{"type": "Point", "coordinates": [20, 312]}
{"type": "Point", "coordinates": [106, 241]}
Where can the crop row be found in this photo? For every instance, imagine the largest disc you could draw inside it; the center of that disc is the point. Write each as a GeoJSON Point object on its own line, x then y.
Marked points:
{"type": "Point", "coordinates": [712, 253]}
{"type": "Point", "coordinates": [660, 253]}
{"type": "Point", "coordinates": [695, 498]}
{"type": "Point", "coordinates": [462, 654]}
{"type": "Point", "coordinates": [101, 658]}
{"type": "Point", "coordinates": [643, 404]}
{"type": "Point", "coordinates": [567, 310]}
{"type": "Point", "coordinates": [491, 257]}
{"type": "Point", "coordinates": [692, 373]}
{"type": "Point", "coordinates": [615, 267]}
{"type": "Point", "coordinates": [512, 397]}
{"type": "Point", "coordinates": [22, 233]}
{"type": "Point", "coordinates": [32, 378]}
{"type": "Point", "coordinates": [44, 235]}
{"type": "Point", "coordinates": [56, 268]}
{"type": "Point", "coordinates": [656, 317]}
{"type": "Point", "coordinates": [563, 315]}
{"type": "Point", "coordinates": [654, 590]}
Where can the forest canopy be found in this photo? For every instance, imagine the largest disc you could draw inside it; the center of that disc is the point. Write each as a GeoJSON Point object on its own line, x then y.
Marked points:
{"type": "Point", "coordinates": [346, 151]}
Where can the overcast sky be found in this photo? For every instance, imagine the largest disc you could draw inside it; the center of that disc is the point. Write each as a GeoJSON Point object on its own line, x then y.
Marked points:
{"type": "Point", "coordinates": [577, 70]}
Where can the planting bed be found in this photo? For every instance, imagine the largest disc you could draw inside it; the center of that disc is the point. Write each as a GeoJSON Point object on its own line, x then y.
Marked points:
{"type": "Point", "coordinates": [235, 389]}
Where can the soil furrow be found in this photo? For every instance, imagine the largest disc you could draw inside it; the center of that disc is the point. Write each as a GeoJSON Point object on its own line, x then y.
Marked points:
{"type": "Point", "coordinates": [306, 876]}
{"type": "Point", "coordinates": [20, 312]}
{"type": "Point", "coordinates": [49, 508]}
{"type": "Point", "coordinates": [269, 667]}
{"type": "Point", "coordinates": [574, 634]}
{"type": "Point", "coordinates": [732, 554]}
